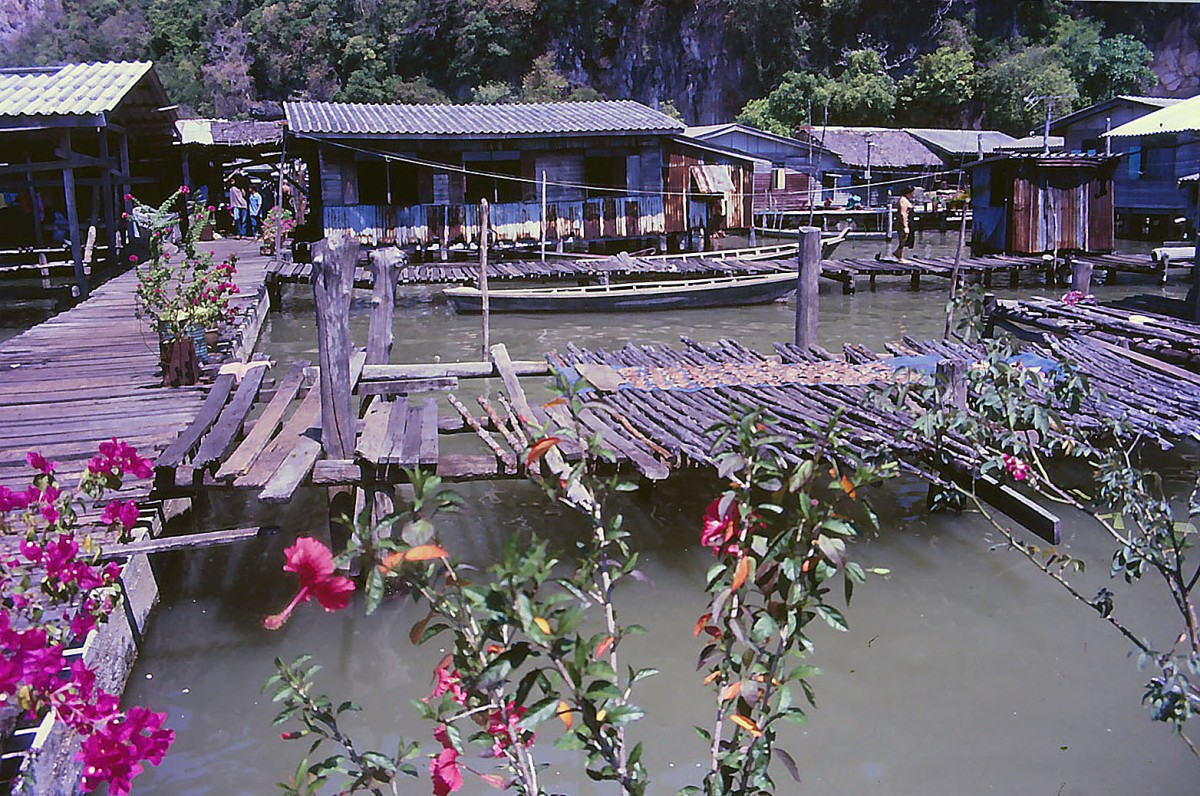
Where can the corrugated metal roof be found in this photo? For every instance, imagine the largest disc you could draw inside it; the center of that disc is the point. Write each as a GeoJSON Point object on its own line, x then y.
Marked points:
{"type": "Point", "coordinates": [1149, 103]}
{"type": "Point", "coordinates": [1054, 159]}
{"type": "Point", "coordinates": [1032, 143]}
{"type": "Point", "coordinates": [961, 142]}
{"type": "Point", "coordinates": [72, 90]}
{"type": "Point", "coordinates": [1191, 178]}
{"type": "Point", "coordinates": [713, 179]}
{"type": "Point", "coordinates": [890, 148]}
{"type": "Point", "coordinates": [1178, 118]}
{"type": "Point", "coordinates": [418, 121]}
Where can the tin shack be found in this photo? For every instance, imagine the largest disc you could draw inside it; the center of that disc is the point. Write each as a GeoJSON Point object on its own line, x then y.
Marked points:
{"type": "Point", "coordinates": [584, 174]}
{"type": "Point", "coordinates": [1032, 204]}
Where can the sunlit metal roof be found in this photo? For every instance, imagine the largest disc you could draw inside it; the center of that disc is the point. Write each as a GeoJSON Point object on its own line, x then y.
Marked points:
{"type": "Point", "coordinates": [1178, 118]}
{"type": "Point", "coordinates": [482, 121]}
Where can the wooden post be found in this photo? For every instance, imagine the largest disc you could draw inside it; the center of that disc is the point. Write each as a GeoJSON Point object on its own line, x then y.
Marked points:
{"type": "Point", "coordinates": [443, 251]}
{"type": "Point", "coordinates": [808, 286]}
{"type": "Point", "coordinates": [334, 260]}
{"type": "Point", "coordinates": [385, 265]}
{"type": "Point", "coordinates": [543, 215]}
{"type": "Point", "coordinates": [1081, 276]}
{"type": "Point", "coordinates": [952, 377]}
{"type": "Point", "coordinates": [110, 216]}
{"type": "Point", "coordinates": [73, 215]}
{"type": "Point", "coordinates": [484, 226]}
{"type": "Point", "coordinates": [125, 184]}
{"type": "Point", "coordinates": [35, 203]}
{"type": "Point", "coordinates": [958, 251]}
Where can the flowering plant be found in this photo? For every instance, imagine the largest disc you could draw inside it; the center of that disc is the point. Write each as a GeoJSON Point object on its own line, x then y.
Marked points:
{"type": "Point", "coordinates": [180, 285]}
{"type": "Point", "coordinates": [53, 592]}
{"type": "Point", "coordinates": [278, 220]}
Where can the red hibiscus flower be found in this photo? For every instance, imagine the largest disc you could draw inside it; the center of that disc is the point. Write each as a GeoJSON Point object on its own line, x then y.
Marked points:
{"type": "Point", "coordinates": [313, 563]}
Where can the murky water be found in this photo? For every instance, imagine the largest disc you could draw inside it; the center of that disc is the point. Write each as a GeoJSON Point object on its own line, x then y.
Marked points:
{"type": "Point", "coordinates": [965, 671]}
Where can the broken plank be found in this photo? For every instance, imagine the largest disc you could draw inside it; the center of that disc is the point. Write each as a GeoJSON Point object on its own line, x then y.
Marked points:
{"type": "Point", "coordinates": [428, 453]}
{"type": "Point", "coordinates": [221, 440]}
{"type": "Point", "coordinates": [305, 422]}
{"type": "Point", "coordinates": [191, 541]}
{"type": "Point", "coordinates": [283, 483]}
{"type": "Point", "coordinates": [242, 458]}
{"type": "Point", "coordinates": [394, 435]}
{"type": "Point", "coordinates": [372, 441]}
{"type": "Point", "coordinates": [174, 455]}
{"type": "Point", "coordinates": [410, 445]}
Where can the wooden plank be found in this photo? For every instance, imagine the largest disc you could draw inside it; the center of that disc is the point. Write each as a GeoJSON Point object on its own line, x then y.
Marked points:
{"type": "Point", "coordinates": [242, 458]}
{"type": "Point", "coordinates": [410, 445]}
{"type": "Point", "coordinates": [306, 421]}
{"type": "Point", "coordinates": [408, 386]}
{"type": "Point", "coordinates": [394, 436]}
{"type": "Point", "coordinates": [191, 541]}
{"type": "Point", "coordinates": [174, 455]}
{"type": "Point", "coordinates": [221, 440]}
{"type": "Point", "coordinates": [372, 441]}
{"type": "Point", "coordinates": [428, 453]}
{"type": "Point", "coordinates": [283, 483]}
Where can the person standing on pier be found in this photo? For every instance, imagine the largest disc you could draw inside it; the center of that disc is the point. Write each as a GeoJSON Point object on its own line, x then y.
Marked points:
{"type": "Point", "coordinates": [238, 204]}
{"type": "Point", "coordinates": [907, 237]}
{"type": "Point", "coordinates": [254, 203]}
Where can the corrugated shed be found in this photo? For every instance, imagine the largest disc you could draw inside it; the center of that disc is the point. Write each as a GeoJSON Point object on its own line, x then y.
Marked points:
{"type": "Point", "coordinates": [962, 142]}
{"type": "Point", "coordinates": [1031, 143]}
{"type": "Point", "coordinates": [889, 148]}
{"type": "Point", "coordinates": [1178, 118]}
{"type": "Point", "coordinates": [418, 121]}
{"type": "Point", "coordinates": [72, 90]}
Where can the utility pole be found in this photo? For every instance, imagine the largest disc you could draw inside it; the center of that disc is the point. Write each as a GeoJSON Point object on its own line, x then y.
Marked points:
{"type": "Point", "coordinates": [1031, 102]}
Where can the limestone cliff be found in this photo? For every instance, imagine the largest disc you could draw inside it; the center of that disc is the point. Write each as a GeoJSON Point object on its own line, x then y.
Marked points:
{"type": "Point", "coordinates": [17, 15]}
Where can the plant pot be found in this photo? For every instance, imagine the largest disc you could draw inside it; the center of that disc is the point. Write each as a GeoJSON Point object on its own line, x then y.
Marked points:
{"type": "Point", "coordinates": [266, 249]}
{"type": "Point", "coordinates": [178, 359]}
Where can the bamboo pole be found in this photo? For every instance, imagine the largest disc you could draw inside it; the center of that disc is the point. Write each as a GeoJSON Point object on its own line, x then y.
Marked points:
{"type": "Point", "coordinates": [484, 226]}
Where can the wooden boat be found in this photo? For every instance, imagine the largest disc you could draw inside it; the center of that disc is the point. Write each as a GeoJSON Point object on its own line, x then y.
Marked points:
{"type": "Point", "coordinates": [721, 291]}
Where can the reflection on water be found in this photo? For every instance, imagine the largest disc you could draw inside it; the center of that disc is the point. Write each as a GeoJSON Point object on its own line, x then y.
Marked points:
{"type": "Point", "coordinates": [963, 672]}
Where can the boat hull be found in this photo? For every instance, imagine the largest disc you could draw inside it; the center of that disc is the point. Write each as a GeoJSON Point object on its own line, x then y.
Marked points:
{"type": "Point", "coordinates": [690, 294]}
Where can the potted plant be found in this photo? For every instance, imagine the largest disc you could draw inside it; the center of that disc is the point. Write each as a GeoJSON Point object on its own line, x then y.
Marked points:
{"type": "Point", "coordinates": [278, 224]}
{"type": "Point", "coordinates": [181, 293]}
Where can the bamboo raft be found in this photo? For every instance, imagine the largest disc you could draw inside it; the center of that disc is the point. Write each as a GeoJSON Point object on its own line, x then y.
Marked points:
{"type": "Point", "coordinates": [1163, 337]}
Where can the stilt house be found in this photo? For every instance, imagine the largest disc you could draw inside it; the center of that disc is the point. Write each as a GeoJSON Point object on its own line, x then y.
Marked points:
{"type": "Point", "coordinates": [593, 171]}
{"type": "Point", "coordinates": [74, 141]}
{"type": "Point", "coordinates": [1031, 204]}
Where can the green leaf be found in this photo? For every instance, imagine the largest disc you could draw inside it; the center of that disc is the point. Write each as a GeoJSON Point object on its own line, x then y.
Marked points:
{"type": "Point", "coordinates": [540, 711]}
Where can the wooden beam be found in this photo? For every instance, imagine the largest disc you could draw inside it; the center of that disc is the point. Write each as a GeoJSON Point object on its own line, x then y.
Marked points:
{"type": "Point", "coordinates": [334, 261]}
{"type": "Point", "coordinates": [192, 541]}
{"type": "Point", "coordinates": [461, 370]}
{"type": "Point", "coordinates": [808, 287]}
{"type": "Point", "coordinates": [385, 265]}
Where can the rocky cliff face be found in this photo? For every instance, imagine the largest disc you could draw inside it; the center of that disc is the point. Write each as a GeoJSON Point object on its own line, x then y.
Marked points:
{"type": "Point", "coordinates": [656, 51]}
{"type": "Point", "coordinates": [1177, 57]}
{"type": "Point", "coordinates": [17, 15]}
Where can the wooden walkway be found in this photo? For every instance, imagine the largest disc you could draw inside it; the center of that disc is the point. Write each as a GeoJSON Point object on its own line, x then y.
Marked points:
{"type": "Point", "coordinates": [92, 373]}
{"type": "Point", "coordinates": [650, 404]}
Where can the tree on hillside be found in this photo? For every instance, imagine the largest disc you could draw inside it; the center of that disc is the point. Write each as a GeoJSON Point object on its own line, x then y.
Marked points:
{"type": "Point", "coordinates": [935, 93]}
{"type": "Point", "coordinates": [1101, 67]}
{"type": "Point", "coordinates": [1004, 84]}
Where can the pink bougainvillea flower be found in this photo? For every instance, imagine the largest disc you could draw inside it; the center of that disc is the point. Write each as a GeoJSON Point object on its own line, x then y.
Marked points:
{"type": "Point", "coordinates": [1073, 297]}
{"type": "Point", "coordinates": [445, 772]}
{"type": "Point", "coordinates": [119, 458]}
{"type": "Point", "coordinates": [125, 513]}
{"type": "Point", "coordinates": [502, 726]}
{"type": "Point", "coordinates": [1016, 468]}
{"type": "Point", "coordinates": [447, 680]}
{"type": "Point", "coordinates": [37, 461]}
{"type": "Point", "coordinates": [114, 752]}
{"type": "Point", "coordinates": [183, 189]}
{"type": "Point", "coordinates": [10, 500]}
{"type": "Point", "coordinates": [719, 529]}
{"type": "Point", "coordinates": [133, 258]}
{"type": "Point", "coordinates": [312, 562]}
{"type": "Point", "coordinates": [128, 197]}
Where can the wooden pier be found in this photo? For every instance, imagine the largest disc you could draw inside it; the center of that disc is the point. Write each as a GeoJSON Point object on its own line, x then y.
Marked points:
{"type": "Point", "coordinates": [990, 270]}
{"type": "Point", "coordinates": [92, 373]}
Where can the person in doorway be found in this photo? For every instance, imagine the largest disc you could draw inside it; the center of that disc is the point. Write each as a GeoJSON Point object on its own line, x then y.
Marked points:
{"type": "Point", "coordinates": [254, 203]}
{"type": "Point", "coordinates": [907, 236]}
{"type": "Point", "coordinates": [238, 205]}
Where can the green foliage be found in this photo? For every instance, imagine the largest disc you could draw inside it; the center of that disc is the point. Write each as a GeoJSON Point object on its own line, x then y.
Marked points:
{"type": "Point", "coordinates": [942, 82]}
{"type": "Point", "coordinates": [1004, 84]}
{"type": "Point", "coordinates": [292, 688]}
{"type": "Point", "coordinates": [863, 91]}
{"type": "Point", "coordinates": [757, 113]}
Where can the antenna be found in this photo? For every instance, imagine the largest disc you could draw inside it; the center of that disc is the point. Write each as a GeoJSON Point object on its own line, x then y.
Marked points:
{"type": "Point", "coordinates": [1031, 101]}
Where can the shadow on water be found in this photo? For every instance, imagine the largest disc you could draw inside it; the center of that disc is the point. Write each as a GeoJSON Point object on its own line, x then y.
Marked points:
{"type": "Point", "coordinates": [964, 671]}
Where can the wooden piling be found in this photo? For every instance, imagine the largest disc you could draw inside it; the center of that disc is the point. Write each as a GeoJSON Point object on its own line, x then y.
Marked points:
{"type": "Point", "coordinates": [385, 267]}
{"type": "Point", "coordinates": [333, 277]}
{"type": "Point", "coordinates": [808, 286]}
{"type": "Point", "coordinates": [952, 377]}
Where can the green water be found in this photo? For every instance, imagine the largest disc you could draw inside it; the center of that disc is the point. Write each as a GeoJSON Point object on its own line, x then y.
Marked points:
{"type": "Point", "coordinates": [964, 672]}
